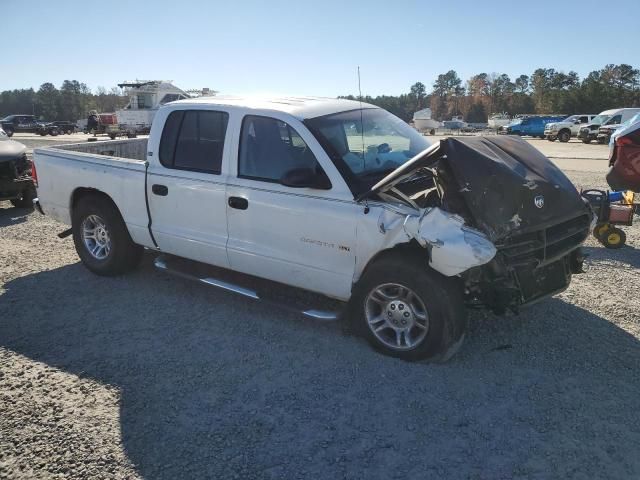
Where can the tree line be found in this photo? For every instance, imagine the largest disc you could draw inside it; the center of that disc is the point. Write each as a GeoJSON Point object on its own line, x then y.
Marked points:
{"type": "Point", "coordinates": [72, 101]}
{"type": "Point", "coordinates": [546, 90]}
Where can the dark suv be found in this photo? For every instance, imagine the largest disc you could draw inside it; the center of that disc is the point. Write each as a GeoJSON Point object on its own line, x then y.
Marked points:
{"type": "Point", "coordinates": [16, 182]}
{"type": "Point", "coordinates": [27, 124]}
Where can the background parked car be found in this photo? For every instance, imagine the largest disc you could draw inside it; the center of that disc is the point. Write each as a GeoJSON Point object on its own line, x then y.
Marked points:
{"type": "Point", "coordinates": [532, 126]}
{"type": "Point", "coordinates": [567, 128]}
{"type": "Point", "coordinates": [27, 124]}
{"type": "Point", "coordinates": [615, 122]}
{"type": "Point", "coordinates": [624, 157]}
{"type": "Point", "coordinates": [66, 127]}
{"type": "Point", "coordinates": [615, 116]}
{"type": "Point", "coordinates": [16, 183]}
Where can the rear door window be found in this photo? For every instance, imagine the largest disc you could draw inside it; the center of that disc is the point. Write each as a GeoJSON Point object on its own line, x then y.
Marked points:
{"type": "Point", "coordinates": [194, 140]}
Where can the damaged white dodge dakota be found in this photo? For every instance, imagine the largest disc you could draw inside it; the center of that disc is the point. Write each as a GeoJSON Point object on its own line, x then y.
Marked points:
{"type": "Point", "coordinates": [335, 197]}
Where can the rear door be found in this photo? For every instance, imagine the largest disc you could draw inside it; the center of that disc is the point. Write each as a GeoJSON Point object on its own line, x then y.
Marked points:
{"type": "Point", "coordinates": [186, 184]}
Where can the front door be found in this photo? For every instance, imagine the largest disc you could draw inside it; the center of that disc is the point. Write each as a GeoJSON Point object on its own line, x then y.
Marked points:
{"type": "Point", "coordinates": [186, 188]}
{"type": "Point", "coordinates": [299, 236]}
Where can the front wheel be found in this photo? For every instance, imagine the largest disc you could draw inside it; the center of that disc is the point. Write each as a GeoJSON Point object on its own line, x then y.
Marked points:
{"type": "Point", "coordinates": [101, 238]}
{"type": "Point", "coordinates": [586, 140]}
{"type": "Point", "coordinates": [406, 310]}
{"type": "Point", "coordinates": [564, 136]}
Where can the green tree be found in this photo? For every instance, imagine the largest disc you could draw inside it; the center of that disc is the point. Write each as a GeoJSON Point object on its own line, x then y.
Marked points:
{"type": "Point", "coordinates": [47, 100]}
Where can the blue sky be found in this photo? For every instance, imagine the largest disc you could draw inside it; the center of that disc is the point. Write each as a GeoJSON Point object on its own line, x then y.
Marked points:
{"type": "Point", "coordinates": [307, 47]}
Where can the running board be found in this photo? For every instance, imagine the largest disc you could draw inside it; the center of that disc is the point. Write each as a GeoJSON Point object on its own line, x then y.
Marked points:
{"type": "Point", "coordinates": [161, 264]}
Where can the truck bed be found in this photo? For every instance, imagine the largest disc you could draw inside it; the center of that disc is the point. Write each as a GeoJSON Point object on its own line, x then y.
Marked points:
{"type": "Point", "coordinates": [116, 168]}
{"type": "Point", "coordinates": [133, 149]}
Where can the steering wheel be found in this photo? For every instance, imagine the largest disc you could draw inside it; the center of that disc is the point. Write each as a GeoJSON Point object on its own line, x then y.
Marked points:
{"type": "Point", "coordinates": [384, 148]}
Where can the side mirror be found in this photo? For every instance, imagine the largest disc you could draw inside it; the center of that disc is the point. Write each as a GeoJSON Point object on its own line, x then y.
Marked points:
{"type": "Point", "coordinates": [305, 178]}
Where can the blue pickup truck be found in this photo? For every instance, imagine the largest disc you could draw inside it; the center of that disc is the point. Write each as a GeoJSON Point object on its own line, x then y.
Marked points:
{"type": "Point", "coordinates": [531, 126]}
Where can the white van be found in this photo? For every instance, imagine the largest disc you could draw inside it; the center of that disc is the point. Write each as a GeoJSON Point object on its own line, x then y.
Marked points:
{"type": "Point", "coordinates": [615, 116]}
{"type": "Point", "coordinates": [606, 129]}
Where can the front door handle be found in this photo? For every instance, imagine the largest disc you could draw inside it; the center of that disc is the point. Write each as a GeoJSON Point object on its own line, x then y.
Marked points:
{"type": "Point", "coordinates": [161, 190]}
{"type": "Point", "coordinates": [238, 203]}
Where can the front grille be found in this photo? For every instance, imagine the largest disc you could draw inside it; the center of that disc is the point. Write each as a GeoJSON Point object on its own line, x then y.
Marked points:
{"type": "Point", "coordinates": [13, 169]}
{"type": "Point", "coordinates": [8, 170]}
{"type": "Point", "coordinates": [543, 246]}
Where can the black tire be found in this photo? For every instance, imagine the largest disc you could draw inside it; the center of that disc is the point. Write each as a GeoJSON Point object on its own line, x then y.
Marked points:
{"type": "Point", "coordinates": [599, 230]}
{"type": "Point", "coordinates": [551, 139]}
{"type": "Point", "coordinates": [564, 136]}
{"type": "Point", "coordinates": [440, 295]}
{"type": "Point", "coordinates": [600, 140]}
{"type": "Point", "coordinates": [26, 200]}
{"type": "Point", "coordinates": [112, 136]}
{"type": "Point", "coordinates": [613, 238]}
{"type": "Point", "coordinates": [43, 133]}
{"type": "Point", "coordinates": [9, 132]}
{"type": "Point", "coordinates": [54, 132]}
{"type": "Point", "coordinates": [124, 255]}
{"type": "Point", "coordinates": [586, 140]}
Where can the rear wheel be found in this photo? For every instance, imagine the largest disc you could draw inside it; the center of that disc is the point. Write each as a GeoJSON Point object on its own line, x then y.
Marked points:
{"type": "Point", "coordinates": [9, 132]}
{"type": "Point", "coordinates": [613, 238]}
{"type": "Point", "coordinates": [101, 238]}
{"type": "Point", "coordinates": [564, 136]}
{"type": "Point", "coordinates": [586, 140]}
{"type": "Point", "coordinates": [408, 311]}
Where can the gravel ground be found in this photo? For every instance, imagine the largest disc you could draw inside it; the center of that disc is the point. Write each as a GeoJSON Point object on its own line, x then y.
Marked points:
{"type": "Point", "coordinates": [150, 376]}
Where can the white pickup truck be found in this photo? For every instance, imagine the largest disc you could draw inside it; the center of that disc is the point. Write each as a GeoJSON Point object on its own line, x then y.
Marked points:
{"type": "Point", "coordinates": [336, 197]}
{"type": "Point", "coordinates": [569, 127]}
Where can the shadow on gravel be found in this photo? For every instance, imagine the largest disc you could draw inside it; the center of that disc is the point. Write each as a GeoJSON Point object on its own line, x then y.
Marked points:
{"type": "Point", "coordinates": [215, 387]}
{"type": "Point", "coordinates": [12, 215]}
{"type": "Point", "coordinates": [627, 255]}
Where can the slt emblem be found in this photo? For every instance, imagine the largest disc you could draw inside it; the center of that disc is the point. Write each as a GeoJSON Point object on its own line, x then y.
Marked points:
{"type": "Point", "coordinates": [539, 201]}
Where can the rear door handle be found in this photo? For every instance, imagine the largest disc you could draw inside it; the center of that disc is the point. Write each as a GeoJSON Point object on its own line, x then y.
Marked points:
{"type": "Point", "coordinates": [161, 190]}
{"type": "Point", "coordinates": [238, 203]}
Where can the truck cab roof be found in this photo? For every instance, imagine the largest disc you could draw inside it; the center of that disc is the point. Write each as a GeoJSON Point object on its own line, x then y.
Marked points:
{"type": "Point", "coordinates": [299, 107]}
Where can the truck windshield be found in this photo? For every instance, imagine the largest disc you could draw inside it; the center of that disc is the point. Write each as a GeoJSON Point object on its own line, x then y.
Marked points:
{"type": "Point", "coordinates": [370, 142]}
{"type": "Point", "coordinates": [571, 119]}
{"type": "Point", "coordinates": [600, 119]}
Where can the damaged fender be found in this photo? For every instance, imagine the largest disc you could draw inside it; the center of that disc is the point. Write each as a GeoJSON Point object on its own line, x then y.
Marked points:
{"type": "Point", "coordinates": [455, 247]}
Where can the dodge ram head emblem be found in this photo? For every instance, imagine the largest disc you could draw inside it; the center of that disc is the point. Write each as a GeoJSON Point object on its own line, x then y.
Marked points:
{"type": "Point", "coordinates": [539, 201]}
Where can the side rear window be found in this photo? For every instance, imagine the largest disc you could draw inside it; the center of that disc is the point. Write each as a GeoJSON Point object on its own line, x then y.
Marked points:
{"type": "Point", "coordinates": [194, 140]}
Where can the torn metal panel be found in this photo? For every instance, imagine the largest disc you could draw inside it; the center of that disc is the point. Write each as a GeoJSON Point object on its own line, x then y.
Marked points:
{"type": "Point", "coordinates": [450, 246]}
{"type": "Point", "coordinates": [455, 248]}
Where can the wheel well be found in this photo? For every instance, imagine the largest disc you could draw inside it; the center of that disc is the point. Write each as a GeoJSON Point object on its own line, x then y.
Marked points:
{"type": "Point", "coordinates": [84, 192]}
{"type": "Point", "coordinates": [411, 249]}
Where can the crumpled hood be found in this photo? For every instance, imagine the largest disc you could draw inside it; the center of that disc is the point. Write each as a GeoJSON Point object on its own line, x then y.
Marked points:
{"type": "Point", "coordinates": [509, 185]}
{"type": "Point", "coordinates": [10, 150]}
{"type": "Point", "coordinates": [506, 184]}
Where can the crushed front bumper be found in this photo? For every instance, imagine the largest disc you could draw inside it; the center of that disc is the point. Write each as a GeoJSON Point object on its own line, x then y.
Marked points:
{"type": "Point", "coordinates": [529, 266]}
